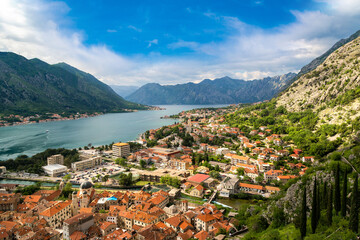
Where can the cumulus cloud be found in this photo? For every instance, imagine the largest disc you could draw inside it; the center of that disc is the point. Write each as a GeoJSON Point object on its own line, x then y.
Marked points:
{"type": "Point", "coordinates": [41, 30]}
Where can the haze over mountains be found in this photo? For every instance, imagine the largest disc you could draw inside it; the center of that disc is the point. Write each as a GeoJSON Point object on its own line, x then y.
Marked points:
{"type": "Point", "coordinates": [33, 86]}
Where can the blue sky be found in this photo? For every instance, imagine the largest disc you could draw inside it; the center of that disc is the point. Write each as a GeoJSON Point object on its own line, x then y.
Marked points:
{"type": "Point", "coordinates": [136, 42]}
{"type": "Point", "coordinates": [141, 27]}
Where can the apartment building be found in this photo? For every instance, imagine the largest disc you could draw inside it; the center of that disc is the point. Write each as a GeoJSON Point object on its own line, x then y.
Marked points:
{"type": "Point", "coordinates": [55, 159]}
{"type": "Point", "coordinates": [87, 163]}
{"type": "Point", "coordinates": [121, 149]}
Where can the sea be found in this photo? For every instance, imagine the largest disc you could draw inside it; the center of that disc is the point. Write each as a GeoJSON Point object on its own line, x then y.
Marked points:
{"type": "Point", "coordinates": [100, 130]}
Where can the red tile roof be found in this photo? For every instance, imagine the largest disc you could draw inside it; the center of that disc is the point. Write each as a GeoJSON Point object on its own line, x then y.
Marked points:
{"type": "Point", "coordinates": [198, 178]}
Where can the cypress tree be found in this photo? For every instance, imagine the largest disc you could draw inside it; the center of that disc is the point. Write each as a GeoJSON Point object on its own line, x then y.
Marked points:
{"type": "Point", "coordinates": [303, 215]}
{"type": "Point", "coordinates": [318, 206]}
{"type": "Point", "coordinates": [354, 211]}
{"type": "Point", "coordinates": [344, 195]}
{"type": "Point", "coordinates": [325, 195]}
{"type": "Point", "coordinates": [337, 203]}
{"type": "Point", "coordinates": [329, 209]}
{"type": "Point", "coordinates": [314, 211]}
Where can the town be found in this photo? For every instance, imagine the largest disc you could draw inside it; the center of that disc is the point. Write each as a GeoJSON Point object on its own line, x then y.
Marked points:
{"type": "Point", "coordinates": [167, 187]}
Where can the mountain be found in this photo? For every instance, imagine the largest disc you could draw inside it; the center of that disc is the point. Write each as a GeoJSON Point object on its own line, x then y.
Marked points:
{"type": "Point", "coordinates": [33, 86]}
{"type": "Point", "coordinates": [319, 60]}
{"type": "Point", "coordinates": [332, 88]}
{"type": "Point", "coordinates": [124, 91]}
{"type": "Point", "coordinates": [219, 91]}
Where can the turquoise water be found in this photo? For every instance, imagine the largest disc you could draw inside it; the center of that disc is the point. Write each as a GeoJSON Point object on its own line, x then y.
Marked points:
{"type": "Point", "coordinates": [34, 138]}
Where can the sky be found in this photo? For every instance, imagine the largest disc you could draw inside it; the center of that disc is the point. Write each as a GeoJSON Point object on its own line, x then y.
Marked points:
{"type": "Point", "coordinates": [169, 42]}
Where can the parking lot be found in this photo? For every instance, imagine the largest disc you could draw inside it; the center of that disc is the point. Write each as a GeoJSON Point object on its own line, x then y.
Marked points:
{"type": "Point", "coordinates": [93, 173]}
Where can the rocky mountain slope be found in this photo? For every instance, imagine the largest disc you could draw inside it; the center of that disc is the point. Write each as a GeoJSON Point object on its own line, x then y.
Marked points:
{"type": "Point", "coordinates": [319, 60]}
{"type": "Point", "coordinates": [33, 86]}
{"type": "Point", "coordinates": [332, 88]}
{"type": "Point", "coordinates": [219, 91]}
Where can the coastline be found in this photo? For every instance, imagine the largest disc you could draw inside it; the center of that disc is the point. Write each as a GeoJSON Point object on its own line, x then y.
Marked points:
{"type": "Point", "coordinates": [56, 117]}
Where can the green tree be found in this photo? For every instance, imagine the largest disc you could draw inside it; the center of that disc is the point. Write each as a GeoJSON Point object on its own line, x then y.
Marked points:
{"type": "Point", "coordinates": [303, 216]}
{"type": "Point", "coordinates": [329, 209]}
{"type": "Point", "coordinates": [240, 172]}
{"type": "Point", "coordinates": [314, 210]}
{"type": "Point", "coordinates": [354, 210]}
{"type": "Point", "coordinates": [67, 177]}
{"type": "Point", "coordinates": [142, 163]}
{"type": "Point", "coordinates": [105, 178]}
{"type": "Point", "coordinates": [337, 203]}
{"type": "Point", "coordinates": [324, 195]}
{"type": "Point", "coordinates": [344, 195]}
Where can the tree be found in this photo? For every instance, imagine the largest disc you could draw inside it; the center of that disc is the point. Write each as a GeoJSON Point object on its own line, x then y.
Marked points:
{"type": "Point", "coordinates": [105, 178]}
{"type": "Point", "coordinates": [329, 209]}
{"type": "Point", "coordinates": [325, 195]}
{"type": "Point", "coordinates": [67, 177]}
{"type": "Point", "coordinates": [142, 163]}
{"type": "Point", "coordinates": [121, 162]}
{"type": "Point", "coordinates": [344, 195]}
{"type": "Point", "coordinates": [303, 215]}
{"type": "Point", "coordinates": [337, 203]}
{"type": "Point", "coordinates": [240, 172]}
{"type": "Point", "coordinates": [259, 179]}
{"type": "Point", "coordinates": [314, 210]}
{"type": "Point", "coordinates": [354, 210]}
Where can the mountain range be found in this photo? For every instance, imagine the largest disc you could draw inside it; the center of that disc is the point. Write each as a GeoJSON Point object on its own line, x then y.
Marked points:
{"type": "Point", "coordinates": [33, 86]}
{"type": "Point", "coordinates": [219, 91]}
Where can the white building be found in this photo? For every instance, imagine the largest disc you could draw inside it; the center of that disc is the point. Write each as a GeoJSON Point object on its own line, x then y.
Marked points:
{"type": "Point", "coordinates": [54, 170]}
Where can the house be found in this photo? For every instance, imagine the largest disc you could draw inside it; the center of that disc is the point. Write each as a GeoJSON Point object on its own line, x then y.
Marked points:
{"type": "Point", "coordinates": [251, 188]}
{"type": "Point", "coordinates": [272, 175]}
{"type": "Point", "coordinates": [197, 191]}
{"type": "Point", "coordinates": [228, 187]}
{"type": "Point", "coordinates": [308, 159]}
{"type": "Point", "coordinates": [107, 227]}
{"type": "Point", "coordinates": [274, 157]}
{"type": "Point", "coordinates": [285, 178]}
{"type": "Point", "coordinates": [78, 223]}
{"type": "Point", "coordinates": [251, 173]}
{"type": "Point", "coordinates": [235, 159]}
{"type": "Point", "coordinates": [203, 222]}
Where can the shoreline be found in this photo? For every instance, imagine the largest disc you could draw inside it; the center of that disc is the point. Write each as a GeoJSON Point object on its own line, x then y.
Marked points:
{"type": "Point", "coordinates": [3, 123]}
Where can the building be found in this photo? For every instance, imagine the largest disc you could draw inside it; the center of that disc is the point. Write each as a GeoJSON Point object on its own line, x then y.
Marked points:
{"type": "Point", "coordinates": [54, 170]}
{"type": "Point", "coordinates": [228, 187]}
{"type": "Point", "coordinates": [9, 202]}
{"type": "Point", "coordinates": [87, 163]}
{"type": "Point", "coordinates": [80, 222]}
{"type": "Point", "coordinates": [165, 153]}
{"type": "Point", "coordinates": [56, 214]}
{"type": "Point", "coordinates": [2, 169]}
{"type": "Point", "coordinates": [198, 178]}
{"type": "Point", "coordinates": [197, 191]}
{"type": "Point", "coordinates": [55, 159]}
{"type": "Point", "coordinates": [203, 222]}
{"type": "Point", "coordinates": [121, 149]}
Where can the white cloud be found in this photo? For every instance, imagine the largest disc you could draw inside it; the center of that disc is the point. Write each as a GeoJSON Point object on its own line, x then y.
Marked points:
{"type": "Point", "coordinates": [135, 28]}
{"type": "Point", "coordinates": [41, 29]}
{"type": "Point", "coordinates": [152, 42]}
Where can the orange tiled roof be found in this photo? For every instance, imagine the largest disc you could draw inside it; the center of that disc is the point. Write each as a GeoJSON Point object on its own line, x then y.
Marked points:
{"type": "Point", "coordinates": [51, 211]}
{"type": "Point", "coordinates": [206, 217]}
